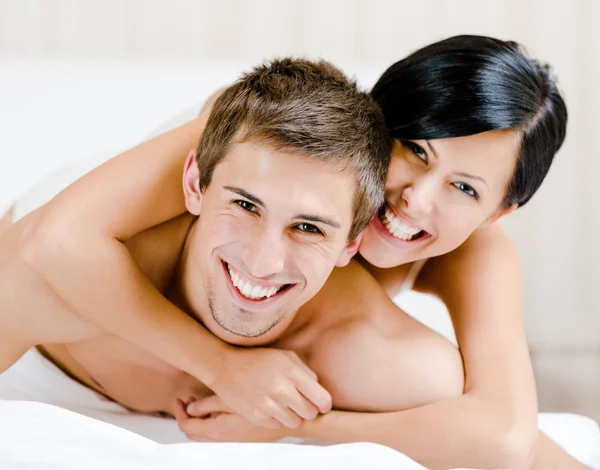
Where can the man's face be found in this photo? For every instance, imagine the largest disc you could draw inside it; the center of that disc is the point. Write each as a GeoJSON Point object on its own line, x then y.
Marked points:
{"type": "Point", "coordinates": [271, 228]}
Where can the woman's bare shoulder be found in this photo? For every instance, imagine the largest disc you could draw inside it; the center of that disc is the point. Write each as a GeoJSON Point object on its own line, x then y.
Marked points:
{"type": "Point", "coordinates": [489, 249]}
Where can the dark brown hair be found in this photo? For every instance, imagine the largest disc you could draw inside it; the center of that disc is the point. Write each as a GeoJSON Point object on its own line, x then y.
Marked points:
{"type": "Point", "coordinates": [307, 108]}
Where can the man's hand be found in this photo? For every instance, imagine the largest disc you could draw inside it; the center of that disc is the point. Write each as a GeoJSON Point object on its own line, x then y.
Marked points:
{"type": "Point", "coordinates": [211, 421]}
{"type": "Point", "coordinates": [270, 387]}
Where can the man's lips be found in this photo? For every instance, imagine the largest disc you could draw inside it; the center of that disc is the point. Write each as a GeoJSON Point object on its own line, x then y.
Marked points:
{"type": "Point", "coordinates": [251, 294]}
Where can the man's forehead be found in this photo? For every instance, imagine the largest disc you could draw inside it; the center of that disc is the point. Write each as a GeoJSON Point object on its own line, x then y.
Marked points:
{"type": "Point", "coordinates": [258, 152]}
{"type": "Point", "coordinates": [250, 162]}
{"type": "Point", "coordinates": [298, 182]}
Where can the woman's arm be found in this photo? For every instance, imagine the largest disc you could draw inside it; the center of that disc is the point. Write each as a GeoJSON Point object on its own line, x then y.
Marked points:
{"type": "Point", "coordinates": [494, 423]}
{"type": "Point", "coordinates": [75, 244]}
{"type": "Point", "coordinates": [480, 284]}
{"type": "Point", "coordinates": [449, 429]}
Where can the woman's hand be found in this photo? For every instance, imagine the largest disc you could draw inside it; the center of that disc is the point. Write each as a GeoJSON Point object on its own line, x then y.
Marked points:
{"type": "Point", "coordinates": [209, 420]}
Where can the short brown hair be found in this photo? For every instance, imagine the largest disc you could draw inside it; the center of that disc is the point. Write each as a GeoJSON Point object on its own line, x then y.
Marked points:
{"type": "Point", "coordinates": [305, 107]}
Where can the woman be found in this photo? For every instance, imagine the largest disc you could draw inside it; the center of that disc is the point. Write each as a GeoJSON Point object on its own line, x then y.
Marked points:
{"type": "Point", "coordinates": [477, 126]}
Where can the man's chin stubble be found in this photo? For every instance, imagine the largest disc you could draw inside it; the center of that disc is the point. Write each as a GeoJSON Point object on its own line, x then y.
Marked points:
{"type": "Point", "coordinates": [239, 330]}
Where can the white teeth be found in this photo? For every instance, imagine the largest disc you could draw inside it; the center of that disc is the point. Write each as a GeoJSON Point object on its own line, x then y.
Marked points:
{"type": "Point", "coordinates": [255, 292]}
{"type": "Point", "coordinates": [271, 292]}
{"type": "Point", "coordinates": [397, 228]}
{"type": "Point", "coordinates": [250, 291]}
{"type": "Point", "coordinates": [247, 289]}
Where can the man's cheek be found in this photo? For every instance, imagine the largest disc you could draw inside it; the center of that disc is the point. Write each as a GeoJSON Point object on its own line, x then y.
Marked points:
{"type": "Point", "coordinates": [314, 281]}
{"type": "Point", "coordinates": [221, 236]}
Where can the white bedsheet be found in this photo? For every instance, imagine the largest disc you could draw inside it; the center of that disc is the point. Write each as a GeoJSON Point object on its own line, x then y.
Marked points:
{"type": "Point", "coordinates": [40, 435]}
{"type": "Point", "coordinates": [44, 437]}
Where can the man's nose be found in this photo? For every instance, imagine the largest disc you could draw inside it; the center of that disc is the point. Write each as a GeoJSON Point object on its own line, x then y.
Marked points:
{"type": "Point", "coordinates": [264, 255]}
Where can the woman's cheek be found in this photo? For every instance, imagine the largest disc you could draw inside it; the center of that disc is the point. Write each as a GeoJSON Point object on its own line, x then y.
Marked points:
{"type": "Point", "coordinates": [398, 172]}
{"type": "Point", "coordinates": [457, 229]}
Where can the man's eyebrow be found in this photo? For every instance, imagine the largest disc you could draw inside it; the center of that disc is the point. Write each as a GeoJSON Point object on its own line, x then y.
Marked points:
{"type": "Point", "coordinates": [308, 217]}
{"type": "Point", "coordinates": [246, 194]}
{"type": "Point", "coordinates": [319, 218]}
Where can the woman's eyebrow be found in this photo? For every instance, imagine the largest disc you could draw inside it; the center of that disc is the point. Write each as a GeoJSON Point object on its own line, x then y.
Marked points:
{"type": "Point", "coordinates": [468, 175]}
{"type": "Point", "coordinates": [432, 148]}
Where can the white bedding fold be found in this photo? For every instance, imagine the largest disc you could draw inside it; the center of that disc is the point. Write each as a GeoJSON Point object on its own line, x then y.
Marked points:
{"type": "Point", "coordinates": [45, 437]}
{"type": "Point", "coordinates": [52, 433]}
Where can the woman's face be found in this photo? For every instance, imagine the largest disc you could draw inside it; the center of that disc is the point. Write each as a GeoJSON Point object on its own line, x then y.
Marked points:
{"type": "Point", "coordinates": [438, 192]}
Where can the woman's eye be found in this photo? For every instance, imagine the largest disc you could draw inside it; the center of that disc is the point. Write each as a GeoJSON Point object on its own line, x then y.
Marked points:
{"type": "Point", "coordinates": [416, 149]}
{"type": "Point", "coordinates": [468, 190]}
{"type": "Point", "coordinates": [247, 206]}
{"type": "Point", "coordinates": [309, 228]}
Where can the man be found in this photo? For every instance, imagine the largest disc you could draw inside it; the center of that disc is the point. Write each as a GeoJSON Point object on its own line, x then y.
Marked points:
{"type": "Point", "coordinates": [276, 197]}
{"type": "Point", "coordinates": [290, 169]}
{"type": "Point", "coordinates": [288, 107]}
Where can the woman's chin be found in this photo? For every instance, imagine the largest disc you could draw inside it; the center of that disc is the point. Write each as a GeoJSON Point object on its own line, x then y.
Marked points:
{"type": "Point", "coordinates": [380, 255]}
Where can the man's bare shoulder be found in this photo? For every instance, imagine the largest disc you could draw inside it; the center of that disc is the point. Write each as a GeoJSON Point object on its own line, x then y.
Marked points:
{"type": "Point", "coordinates": [372, 356]}
{"type": "Point", "coordinates": [157, 250]}
{"type": "Point", "coordinates": [386, 366]}
{"type": "Point", "coordinates": [350, 293]}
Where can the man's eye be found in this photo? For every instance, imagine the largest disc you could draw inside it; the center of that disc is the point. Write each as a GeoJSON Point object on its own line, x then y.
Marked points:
{"type": "Point", "coordinates": [309, 228]}
{"type": "Point", "coordinates": [468, 190]}
{"type": "Point", "coordinates": [416, 149]}
{"type": "Point", "coordinates": [248, 206]}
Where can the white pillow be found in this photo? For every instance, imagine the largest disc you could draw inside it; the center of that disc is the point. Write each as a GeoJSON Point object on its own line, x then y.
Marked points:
{"type": "Point", "coordinates": [49, 186]}
{"type": "Point", "coordinates": [52, 184]}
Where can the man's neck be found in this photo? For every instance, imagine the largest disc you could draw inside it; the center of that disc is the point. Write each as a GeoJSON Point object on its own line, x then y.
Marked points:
{"type": "Point", "coordinates": [177, 292]}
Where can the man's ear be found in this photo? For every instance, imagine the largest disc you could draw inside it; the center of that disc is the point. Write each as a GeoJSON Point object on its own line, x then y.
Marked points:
{"type": "Point", "coordinates": [499, 214]}
{"type": "Point", "coordinates": [349, 251]}
{"type": "Point", "coordinates": [191, 184]}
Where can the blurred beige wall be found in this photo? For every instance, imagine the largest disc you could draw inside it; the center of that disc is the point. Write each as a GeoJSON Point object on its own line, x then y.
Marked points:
{"type": "Point", "coordinates": [558, 233]}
